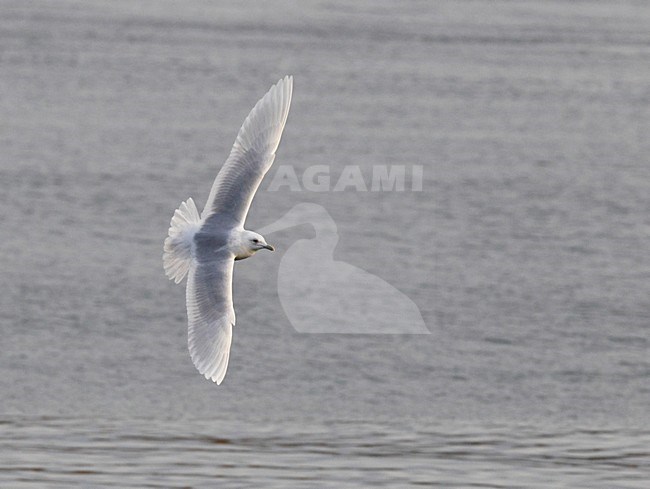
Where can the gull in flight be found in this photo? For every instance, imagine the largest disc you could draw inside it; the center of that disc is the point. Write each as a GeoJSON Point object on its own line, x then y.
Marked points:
{"type": "Point", "coordinates": [204, 248]}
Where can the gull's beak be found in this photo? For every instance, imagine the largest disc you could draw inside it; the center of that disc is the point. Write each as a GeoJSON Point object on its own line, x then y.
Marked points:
{"type": "Point", "coordinates": [269, 247]}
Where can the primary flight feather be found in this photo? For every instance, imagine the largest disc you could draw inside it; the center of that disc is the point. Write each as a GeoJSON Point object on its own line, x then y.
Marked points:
{"type": "Point", "coordinates": [204, 248]}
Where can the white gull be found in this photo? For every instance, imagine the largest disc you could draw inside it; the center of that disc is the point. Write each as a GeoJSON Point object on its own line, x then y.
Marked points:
{"type": "Point", "coordinates": [204, 248]}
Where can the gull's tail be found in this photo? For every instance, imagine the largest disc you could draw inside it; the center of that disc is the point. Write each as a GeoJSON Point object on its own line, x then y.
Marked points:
{"type": "Point", "coordinates": [179, 244]}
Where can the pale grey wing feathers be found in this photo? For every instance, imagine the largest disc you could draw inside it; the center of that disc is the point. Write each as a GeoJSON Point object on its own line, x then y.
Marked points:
{"type": "Point", "coordinates": [250, 158]}
{"type": "Point", "coordinates": [210, 315]}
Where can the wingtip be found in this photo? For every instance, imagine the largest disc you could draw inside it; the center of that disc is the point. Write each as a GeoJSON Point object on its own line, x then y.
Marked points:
{"type": "Point", "coordinates": [263, 126]}
{"type": "Point", "coordinates": [213, 378]}
{"type": "Point", "coordinates": [286, 80]}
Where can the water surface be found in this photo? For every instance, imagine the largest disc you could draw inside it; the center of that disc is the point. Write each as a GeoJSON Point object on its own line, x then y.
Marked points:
{"type": "Point", "coordinates": [526, 251]}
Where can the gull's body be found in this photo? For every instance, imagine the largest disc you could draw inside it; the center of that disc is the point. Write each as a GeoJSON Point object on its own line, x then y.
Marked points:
{"type": "Point", "coordinates": [204, 248]}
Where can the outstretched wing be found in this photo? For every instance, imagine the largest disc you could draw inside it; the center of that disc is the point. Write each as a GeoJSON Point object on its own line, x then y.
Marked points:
{"type": "Point", "coordinates": [250, 158]}
{"type": "Point", "coordinates": [210, 314]}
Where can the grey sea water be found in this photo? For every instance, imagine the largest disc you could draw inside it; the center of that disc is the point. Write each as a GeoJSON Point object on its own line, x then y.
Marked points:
{"type": "Point", "coordinates": [526, 250]}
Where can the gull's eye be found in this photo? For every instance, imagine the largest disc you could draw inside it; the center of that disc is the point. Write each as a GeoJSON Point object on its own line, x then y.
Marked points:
{"type": "Point", "coordinates": [255, 240]}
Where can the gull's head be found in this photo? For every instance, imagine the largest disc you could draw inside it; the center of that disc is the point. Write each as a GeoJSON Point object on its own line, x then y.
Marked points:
{"type": "Point", "coordinates": [256, 242]}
